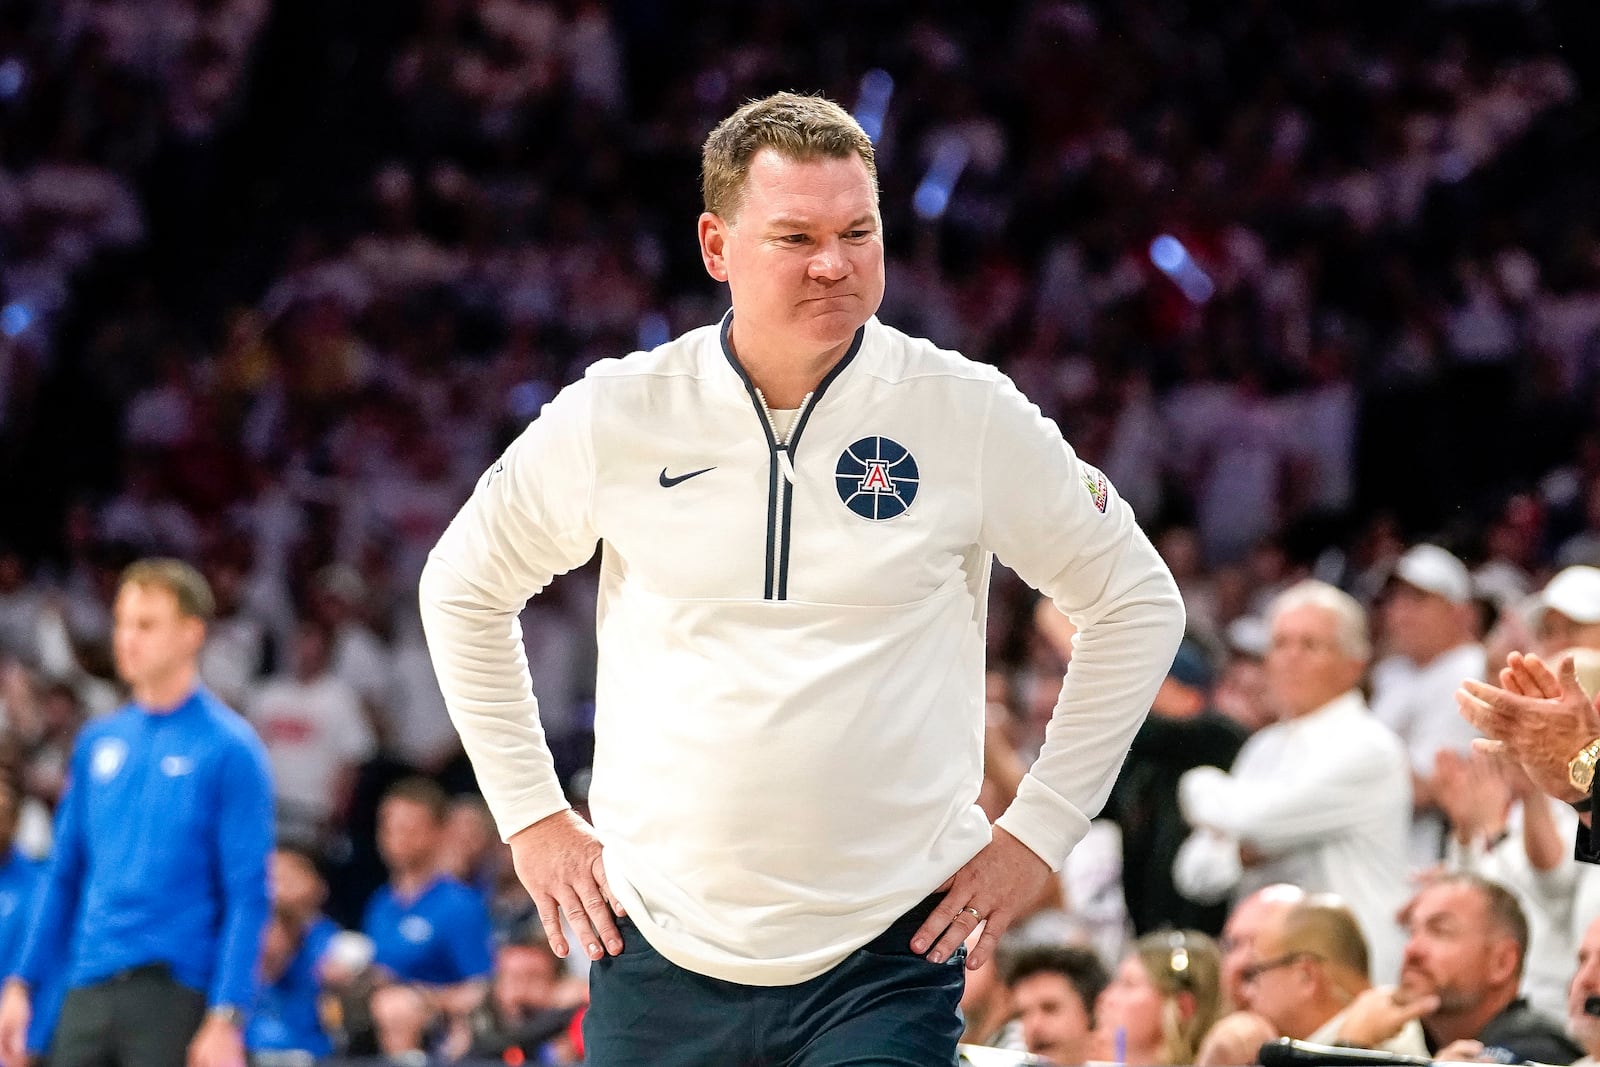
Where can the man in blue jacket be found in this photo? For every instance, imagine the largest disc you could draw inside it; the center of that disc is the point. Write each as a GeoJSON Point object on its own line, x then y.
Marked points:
{"type": "Point", "coordinates": [157, 891]}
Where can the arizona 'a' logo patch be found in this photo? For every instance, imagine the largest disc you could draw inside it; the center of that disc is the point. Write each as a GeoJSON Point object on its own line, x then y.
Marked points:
{"type": "Point", "coordinates": [1099, 491]}
{"type": "Point", "coordinates": [876, 478]}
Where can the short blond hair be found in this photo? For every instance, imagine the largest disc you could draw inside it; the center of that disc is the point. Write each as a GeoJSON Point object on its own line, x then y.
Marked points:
{"type": "Point", "coordinates": [187, 585]}
{"type": "Point", "coordinates": [796, 127]}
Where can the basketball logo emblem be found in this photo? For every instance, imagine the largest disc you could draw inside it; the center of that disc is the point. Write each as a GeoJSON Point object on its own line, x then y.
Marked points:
{"type": "Point", "coordinates": [876, 478]}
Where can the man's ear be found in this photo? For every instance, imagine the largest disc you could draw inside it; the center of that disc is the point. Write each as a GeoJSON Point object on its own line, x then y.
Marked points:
{"type": "Point", "coordinates": [713, 245]}
{"type": "Point", "coordinates": [1504, 955]}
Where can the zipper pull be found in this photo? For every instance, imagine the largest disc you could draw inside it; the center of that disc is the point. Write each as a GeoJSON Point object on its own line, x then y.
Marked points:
{"type": "Point", "coordinates": [785, 464]}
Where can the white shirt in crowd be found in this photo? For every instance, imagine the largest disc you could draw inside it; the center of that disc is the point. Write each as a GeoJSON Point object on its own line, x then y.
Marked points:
{"type": "Point", "coordinates": [1419, 705]}
{"type": "Point", "coordinates": [313, 731]}
{"type": "Point", "coordinates": [1326, 798]}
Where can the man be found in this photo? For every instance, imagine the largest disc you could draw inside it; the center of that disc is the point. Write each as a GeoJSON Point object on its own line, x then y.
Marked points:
{"type": "Point", "coordinates": [1583, 1024]}
{"type": "Point", "coordinates": [527, 1006]}
{"type": "Point", "coordinates": [1314, 963]}
{"type": "Point", "coordinates": [1182, 732]}
{"type": "Point", "coordinates": [1568, 611]}
{"type": "Point", "coordinates": [316, 735]}
{"type": "Point", "coordinates": [426, 927]}
{"type": "Point", "coordinates": [1430, 620]}
{"type": "Point", "coordinates": [1320, 799]}
{"type": "Point", "coordinates": [157, 891]}
{"type": "Point", "coordinates": [1242, 931]}
{"type": "Point", "coordinates": [1547, 723]}
{"type": "Point", "coordinates": [798, 509]}
{"type": "Point", "coordinates": [1461, 970]}
{"type": "Point", "coordinates": [1053, 990]}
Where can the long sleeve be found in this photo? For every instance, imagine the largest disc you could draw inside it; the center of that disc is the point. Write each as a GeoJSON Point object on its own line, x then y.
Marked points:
{"type": "Point", "coordinates": [527, 521]}
{"type": "Point", "coordinates": [1062, 527]}
{"type": "Point", "coordinates": [244, 833]}
{"type": "Point", "coordinates": [45, 947]}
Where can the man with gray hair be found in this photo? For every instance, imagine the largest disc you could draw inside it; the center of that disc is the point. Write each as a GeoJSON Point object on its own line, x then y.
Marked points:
{"type": "Point", "coordinates": [1322, 797]}
{"type": "Point", "coordinates": [798, 509]}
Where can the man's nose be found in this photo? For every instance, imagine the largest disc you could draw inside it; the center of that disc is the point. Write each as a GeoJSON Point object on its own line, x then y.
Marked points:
{"type": "Point", "coordinates": [830, 260]}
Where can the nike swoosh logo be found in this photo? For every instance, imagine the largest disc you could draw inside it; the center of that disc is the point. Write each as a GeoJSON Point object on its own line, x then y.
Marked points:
{"type": "Point", "coordinates": [668, 483]}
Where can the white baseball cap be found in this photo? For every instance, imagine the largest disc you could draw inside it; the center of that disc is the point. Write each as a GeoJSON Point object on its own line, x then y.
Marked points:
{"type": "Point", "coordinates": [1433, 570]}
{"type": "Point", "coordinates": [1575, 592]}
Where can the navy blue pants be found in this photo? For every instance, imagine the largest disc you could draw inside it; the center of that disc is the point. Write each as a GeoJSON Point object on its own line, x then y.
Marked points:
{"type": "Point", "coordinates": [883, 1006]}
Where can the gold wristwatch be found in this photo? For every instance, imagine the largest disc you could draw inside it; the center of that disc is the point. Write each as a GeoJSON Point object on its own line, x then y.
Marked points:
{"type": "Point", "coordinates": [1580, 772]}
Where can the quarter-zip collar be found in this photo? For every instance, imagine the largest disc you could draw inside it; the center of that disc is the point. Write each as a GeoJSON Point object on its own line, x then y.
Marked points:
{"type": "Point", "coordinates": [780, 487]}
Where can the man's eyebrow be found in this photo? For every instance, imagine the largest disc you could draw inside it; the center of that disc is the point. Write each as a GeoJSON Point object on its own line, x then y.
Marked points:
{"type": "Point", "coordinates": [789, 224]}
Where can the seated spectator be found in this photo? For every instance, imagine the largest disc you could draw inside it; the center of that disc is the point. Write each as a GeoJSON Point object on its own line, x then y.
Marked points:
{"type": "Point", "coordinates": [427, 927]}
{"type": "Point", "coordinates": [528, 1010]}
{"type": "Point", "coordinates": [1583, 1024]}
{"type": "Point", "coordinates": [1053, 992]}
{"type": "Point", "coordinates": [1164, 997]}
{"type": "Point", "coordinates": [316, 735]}
{"type": "Point", "coordinates": [1182, 731]}
{"type": "Point", "coordinates": [1320, 799]}
{"type": "Point", "coordinates": [286, 1016]}
{"type": "Point", "coordinates": [1568, 611]}
{"type": "Point", "coordinates": [1431, 624]}
{"type": "Point", "coordinates": [1314, 964]}
{"type": "Point", "coordinates": [471, 850]}
{"type": "Point", "coordinates": [1241, 932]}
{"type": "Point", "coordinates": [1462, 967]}
{"type": "Point", "coordinates": [986, 1015]}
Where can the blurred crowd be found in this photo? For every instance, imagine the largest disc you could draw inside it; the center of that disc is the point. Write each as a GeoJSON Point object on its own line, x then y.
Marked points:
{"type": "Point", "coordinates": [1313, 284]}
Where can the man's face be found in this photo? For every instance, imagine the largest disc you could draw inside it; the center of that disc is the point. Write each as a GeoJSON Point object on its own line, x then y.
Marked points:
{"type": "Point", "coordinates": [408, 834]}
{"type": "Point", "coordinates": [1585, 984]}
{"type": "Point", "coordinates": [1275, 981]}
{"type": "Point", "coordinates": [150, 638]}
{"type": "Point", "coordinates": [1557, 633]}
{"type": "Point", "coordinates": [296, 885]}
{"type": "Point", "coordinates": [1305, 666]}
{"type": "Point", "coordinates": [1418, 623]}
{"type": "Point", "coordinates": [802, 255]}
{"type": "Point", "coordinates": [1452, 942]}
{"type": "Point", "coordinates": [1055, 1021]}
{"type": "Point", "coordinates": [524, 981]}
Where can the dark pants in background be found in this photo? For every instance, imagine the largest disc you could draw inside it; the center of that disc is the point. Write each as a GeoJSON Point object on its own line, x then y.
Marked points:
{"type": "Point", "coordinates": [882, 1007]}
{"type": "Point", "coordinates": [141, 1017]}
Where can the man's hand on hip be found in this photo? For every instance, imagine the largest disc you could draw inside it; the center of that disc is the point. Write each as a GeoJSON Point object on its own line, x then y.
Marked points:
{"type": "Point", "coordinates": [990, 888]}
{"type": "Point", "coordinates": [558, 860]}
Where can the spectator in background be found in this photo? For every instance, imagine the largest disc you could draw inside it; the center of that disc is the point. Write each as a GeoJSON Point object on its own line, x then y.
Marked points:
{"type": "Point", "coordinates": [1567, 614]}
{"type": "Point", "coordinates": [1242, 932]}
{"type": "Point", "coordinates": [1165, 995]}
{"type": "Point", "coordinates": [1582, 1023]}
{"type": "Point", "coordinates": [316, 736]}
{"type": "Point", "coordinates": [286, 1016]}
{"type": "Point", "coordinates": [1182, 732]}
{"type": "Point", "coordinates": [1320, 799]}
{"type": "Point", "coordinates": [1313, 965]}
{"type": "Point", "coordinates": [529, 1007]}
{"type": "Point", "coordinates": [1053, 990]}
{"type": "Point", "coordinates": [1429, 619]}
{"type": "Point", "coordinates": [1463, 964]}
{"type": "Point", "coordinates": [470, 849]}
{"type": "Point", "coordinates": [428, 928]}
{"type": "Point", "coordinates": [158, 882]}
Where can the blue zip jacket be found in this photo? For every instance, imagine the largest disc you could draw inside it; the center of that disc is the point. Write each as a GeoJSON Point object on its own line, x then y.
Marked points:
{"type": "Point", "coordinates": [161, 853]}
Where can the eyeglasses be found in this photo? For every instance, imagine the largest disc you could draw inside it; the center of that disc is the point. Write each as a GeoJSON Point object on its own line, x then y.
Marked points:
{"type": "Point", "coordinates": [1256, 970]}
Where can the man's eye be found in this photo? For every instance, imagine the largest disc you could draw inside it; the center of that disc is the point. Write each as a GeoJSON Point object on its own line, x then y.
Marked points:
{"type": "Point", "coordinates": [793, 238]}
{"type": "Point", "coordinates": [856, 235]}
